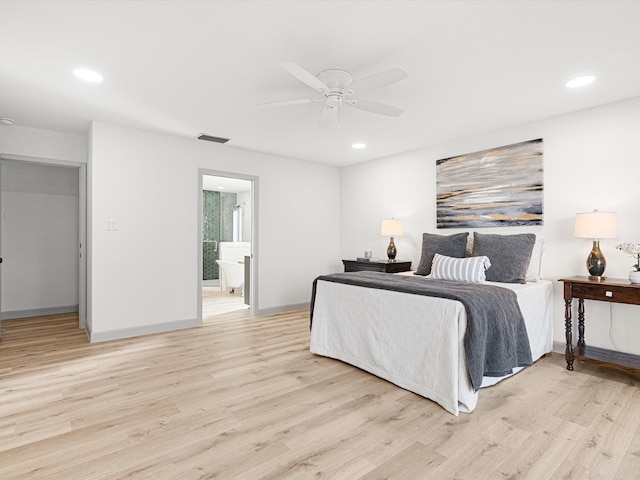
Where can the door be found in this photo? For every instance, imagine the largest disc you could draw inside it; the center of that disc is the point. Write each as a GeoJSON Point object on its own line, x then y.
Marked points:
{"type": "Point", "coordinates": [82, 246]}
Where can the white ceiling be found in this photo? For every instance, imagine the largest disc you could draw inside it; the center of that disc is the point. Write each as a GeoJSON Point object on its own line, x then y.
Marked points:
{"type": "Point", "coordinates": [185, 68]}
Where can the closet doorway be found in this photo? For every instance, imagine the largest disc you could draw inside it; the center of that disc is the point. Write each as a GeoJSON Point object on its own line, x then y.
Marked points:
{"type": "Point", "coordinates": [226, 243]}
{"type": "Point", "coordinates": [43, 237]}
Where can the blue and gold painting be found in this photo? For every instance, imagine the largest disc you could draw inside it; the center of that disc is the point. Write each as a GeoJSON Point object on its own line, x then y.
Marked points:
{"type": "Point", "coordinates": [498, 187]}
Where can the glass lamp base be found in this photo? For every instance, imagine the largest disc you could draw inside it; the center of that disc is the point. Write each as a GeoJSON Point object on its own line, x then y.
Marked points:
{"type": "Point", "coordinates": [596, 262]}
{"type": "Point", "coordinates": [391, 251]}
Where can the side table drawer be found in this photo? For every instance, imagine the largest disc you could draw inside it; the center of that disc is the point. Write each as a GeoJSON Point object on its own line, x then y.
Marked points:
{"type": "Point", "coordinates": [606, 293]}
{"type": "Point", "coordinates": [363, 267]}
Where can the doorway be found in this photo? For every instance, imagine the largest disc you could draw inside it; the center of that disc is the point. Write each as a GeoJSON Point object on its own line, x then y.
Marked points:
{"type": "Point", "coordinates": [43, 237]}
{"type": "Point", "coordinates": [227, 242]}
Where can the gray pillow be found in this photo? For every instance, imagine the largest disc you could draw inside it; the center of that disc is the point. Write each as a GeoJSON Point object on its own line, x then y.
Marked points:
{"type": "Point", "coordinates": [509, 255]}
{"type": "Point", "coordinates": [448, 245]}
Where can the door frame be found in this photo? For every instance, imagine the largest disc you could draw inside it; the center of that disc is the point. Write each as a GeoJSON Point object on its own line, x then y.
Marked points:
{"type": "Point", "coordinates": [253, 268]}
{"type": "Point", "coordinates": [82, 223]}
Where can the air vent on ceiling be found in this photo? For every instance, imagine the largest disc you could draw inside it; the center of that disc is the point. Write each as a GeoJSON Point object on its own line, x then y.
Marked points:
{"type": "Point", "coordinates": [211, 138]}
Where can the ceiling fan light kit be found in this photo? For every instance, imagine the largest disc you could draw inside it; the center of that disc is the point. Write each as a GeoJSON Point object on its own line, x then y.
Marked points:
{"type": "Point", "coordinates": [338, 88]}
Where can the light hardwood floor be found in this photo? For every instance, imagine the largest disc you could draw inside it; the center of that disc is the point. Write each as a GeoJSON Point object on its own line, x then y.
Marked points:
{"type": "Point", "coordinates": [242, 398]}
{"type": "Point", "coordinates": [216, 301]}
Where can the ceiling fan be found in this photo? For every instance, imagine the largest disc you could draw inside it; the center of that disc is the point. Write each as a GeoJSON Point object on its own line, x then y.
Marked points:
{"type": "Point", "coordinates": [338, 88]}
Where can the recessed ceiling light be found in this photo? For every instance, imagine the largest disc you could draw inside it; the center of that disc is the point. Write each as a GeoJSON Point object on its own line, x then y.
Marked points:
{"type": "Point", "coordinates": [87, 75]}
{"type": "Point", "coordinates": [359, 145]}
{"type": "Point", "coordinates": [220, 187]}
{"type": "Point", "coordinates": [580, 81]}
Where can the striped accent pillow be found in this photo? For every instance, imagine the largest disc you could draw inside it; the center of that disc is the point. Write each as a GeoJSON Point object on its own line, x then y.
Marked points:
{"type": "Point", "coordinates": [470, 269]}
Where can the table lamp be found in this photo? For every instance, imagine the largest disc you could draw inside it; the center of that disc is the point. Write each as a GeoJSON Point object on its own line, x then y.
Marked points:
{"type": "Point", "coordinates": [391, 228]}
{"type": "Point", "coordinates": [596, 225]}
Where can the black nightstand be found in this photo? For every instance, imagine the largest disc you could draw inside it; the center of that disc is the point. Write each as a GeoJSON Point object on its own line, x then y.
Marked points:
{"type": "Point", "coordinates": [376, 266]}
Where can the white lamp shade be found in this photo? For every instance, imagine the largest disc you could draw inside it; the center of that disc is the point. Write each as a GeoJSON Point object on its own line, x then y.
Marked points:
{"type": "Point", "coordinates": [596, 225]}
{"type": "Point", "coordinates": [391, 228]}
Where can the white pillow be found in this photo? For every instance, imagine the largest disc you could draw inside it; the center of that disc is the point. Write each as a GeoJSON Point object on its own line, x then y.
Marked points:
{"type": "Point", "coordinates": [535, 264]}
{"type": "Point", "coordinates": [469, 269]}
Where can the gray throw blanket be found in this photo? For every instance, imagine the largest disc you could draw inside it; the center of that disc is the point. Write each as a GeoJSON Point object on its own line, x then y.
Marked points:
{"type": "Point", "coordinates": [496, 339]}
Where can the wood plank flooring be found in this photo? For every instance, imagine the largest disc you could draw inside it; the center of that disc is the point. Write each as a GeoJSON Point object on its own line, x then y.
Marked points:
{"type": "Point", "coordinates": [242, 398]}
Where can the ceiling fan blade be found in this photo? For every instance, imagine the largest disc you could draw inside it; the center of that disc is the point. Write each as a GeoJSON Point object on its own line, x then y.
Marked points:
{"type": "Point", "coordinates": [284, 103]}
{"type": "Point", "coordinates": [375, 107]}
{"type": "Point", "coordinates": [305, 76]}
{"type": "Point", "coordinates": [378, 80]}
{"type": "Point", "coordinates": [326, 116]}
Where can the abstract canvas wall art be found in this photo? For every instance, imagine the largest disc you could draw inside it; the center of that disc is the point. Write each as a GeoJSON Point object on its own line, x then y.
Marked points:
{"type": "Point", "coordinates": [498, 187]}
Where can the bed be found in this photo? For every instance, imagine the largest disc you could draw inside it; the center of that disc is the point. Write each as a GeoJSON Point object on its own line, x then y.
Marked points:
{"type": "Point", "coordinates": [417, 341]}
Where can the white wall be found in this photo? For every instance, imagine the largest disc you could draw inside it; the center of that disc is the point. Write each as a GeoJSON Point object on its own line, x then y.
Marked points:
{"type": "Point", "coordinates": [32, 143]}
{"type": "Point", "coordinates": [39, 239]}
{"type": "Point", "coordinates": [144, 275]}
{"type": "Point", "coordinates": [591, 160]}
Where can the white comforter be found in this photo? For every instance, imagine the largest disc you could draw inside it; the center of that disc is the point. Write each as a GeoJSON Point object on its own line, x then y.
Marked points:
{"type": "Point", "coordinates": [413, 341]}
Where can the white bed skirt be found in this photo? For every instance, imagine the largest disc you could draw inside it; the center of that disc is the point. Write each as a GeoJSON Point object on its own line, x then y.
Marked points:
{"type": "Point", "coordinates": [415, 341]}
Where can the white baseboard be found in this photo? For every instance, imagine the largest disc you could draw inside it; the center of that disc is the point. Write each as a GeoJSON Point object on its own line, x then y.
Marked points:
{"type": "Point", "coordinates": [264, 312]}
{"type": "Point", "coordinates": [38, 312]}
{"type": "Point", "coordinates": [95, 337]}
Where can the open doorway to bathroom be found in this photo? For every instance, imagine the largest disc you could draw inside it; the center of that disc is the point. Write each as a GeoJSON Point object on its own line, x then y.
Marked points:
{"type": "Point", "coordinates": [226, 243]}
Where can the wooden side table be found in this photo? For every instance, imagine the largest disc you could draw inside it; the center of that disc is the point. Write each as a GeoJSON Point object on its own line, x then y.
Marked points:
{"type": "Point", "coordinates": [376, 266]}
{"type": "Point", "coordinates": [612, 290]}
